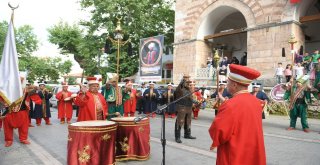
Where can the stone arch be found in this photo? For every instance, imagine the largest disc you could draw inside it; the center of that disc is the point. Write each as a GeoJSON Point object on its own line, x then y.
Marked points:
{"type": "Point", "coordinates": [294, 12]}
{"type": "Point", "coordinates": [229, 6]}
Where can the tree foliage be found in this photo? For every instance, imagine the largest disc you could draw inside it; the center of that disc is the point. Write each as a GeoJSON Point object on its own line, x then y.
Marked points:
{"type": "Point", "coordinates": [26, 40]}
{"type": "Point", "coordinates": [139, 19]}
{"type": "Point", "coordinates": [72, 40]}
{"type": "Point", "coordinates": [45, 68]}
{"type": "Point", "coordinates": [38, 68]}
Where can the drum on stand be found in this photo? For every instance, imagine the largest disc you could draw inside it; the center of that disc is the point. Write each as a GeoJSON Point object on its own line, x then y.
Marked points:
{"type": "Point", "coordinates": [133, 139]}
{"type": "Point", "coordinates": [91, 142]}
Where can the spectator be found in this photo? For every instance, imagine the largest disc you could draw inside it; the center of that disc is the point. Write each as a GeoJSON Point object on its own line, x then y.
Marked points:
{"type": "Point", "coordinates": [206, 95]}
{"type": "Point", "coordinates": [288, 72]}
{"type": "Point", "coordinates": [299, 70]}
{"type": "Point", "coordinates": [235, 61]}
{"type": "Point", "coordinates": [243, 60]}
{"type": "Point", "coordinates": [224, 61]}
{"type": "Point", "coordinates": [279, 73]}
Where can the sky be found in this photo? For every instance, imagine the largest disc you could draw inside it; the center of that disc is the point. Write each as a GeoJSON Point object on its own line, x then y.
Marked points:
{"type": "Point", "coordinates": [41, 15]}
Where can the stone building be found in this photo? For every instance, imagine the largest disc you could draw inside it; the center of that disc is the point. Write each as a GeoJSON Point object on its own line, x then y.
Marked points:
{"type": "Point", "coordinates": [261, 28]}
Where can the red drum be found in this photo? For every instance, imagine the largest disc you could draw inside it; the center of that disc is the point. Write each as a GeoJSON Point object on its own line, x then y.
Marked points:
{"type": "Point", "coordinates": [92, 142]}
{"type": "Point", "coordinates": [133, 139]}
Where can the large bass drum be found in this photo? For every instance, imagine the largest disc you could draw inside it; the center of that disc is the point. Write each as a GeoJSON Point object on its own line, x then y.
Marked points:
{"type": "Point", "coordinates": [133, 139]}
{"type": "Point", "coordinates": [92, 142]}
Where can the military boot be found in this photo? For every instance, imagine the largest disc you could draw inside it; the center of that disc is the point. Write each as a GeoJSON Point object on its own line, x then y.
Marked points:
{"type": "Point", "coordinates": [177, 133]}
{"type": "Point", "coordinates": [187, 134]}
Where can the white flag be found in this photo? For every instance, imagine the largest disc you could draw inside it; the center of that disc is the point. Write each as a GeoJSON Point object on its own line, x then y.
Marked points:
{"type": "Point", "coordinates": [10, 84]}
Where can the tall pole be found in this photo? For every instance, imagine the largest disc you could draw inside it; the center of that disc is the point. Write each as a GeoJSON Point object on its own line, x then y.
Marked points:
{"type": "Point", "coordinates": [118, 40]}
{"type": "Point", "coordinates": [118, 58]}
{"type": "Point", "coordinates": [216, 61]}
{"type": "Point", "coordinates": [292, 41]}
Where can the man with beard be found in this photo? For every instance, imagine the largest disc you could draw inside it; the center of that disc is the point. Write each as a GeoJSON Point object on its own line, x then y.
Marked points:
{"type": "Point", "coordinates": [92, 105]}
{"type": "Point", "coordinates": [184, 109]}
{"type": "Point", "coordinates": [113, 97]}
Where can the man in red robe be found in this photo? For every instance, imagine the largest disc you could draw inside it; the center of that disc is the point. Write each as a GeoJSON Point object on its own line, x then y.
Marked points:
{"type": "Point", "coordinates": [17, 117]}
{"type": "Point", "coordinates": [64, 104]}
{"type": "Point", "coordinates": [196, 100]}
{"type": "Point", "coordinates": [92, 105]}
{"type": "Point", "coordinates": [130, 100]}
{"type": "Point", "coordinates": [237, 129]}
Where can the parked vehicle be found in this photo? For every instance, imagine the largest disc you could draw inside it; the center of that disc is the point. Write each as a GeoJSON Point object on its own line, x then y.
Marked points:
{"type": "Point", "coordinates": [72, 88]}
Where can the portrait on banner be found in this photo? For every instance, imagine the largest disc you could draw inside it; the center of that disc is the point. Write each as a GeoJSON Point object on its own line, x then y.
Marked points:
{"type": "Point", "coordinates": [151, 50]}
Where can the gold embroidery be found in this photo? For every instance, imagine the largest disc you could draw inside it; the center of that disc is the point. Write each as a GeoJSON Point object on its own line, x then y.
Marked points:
{"type": "Point", "coordinates": [69, 138]}
{"type": "Point", "coordinates": [124, 145]}
{"type": "Point", "coordinates": [84, 157]}
{"type": "Point", "coordinates": [141, 129]}
{"type": "Point", "coordinates": [106, 137]}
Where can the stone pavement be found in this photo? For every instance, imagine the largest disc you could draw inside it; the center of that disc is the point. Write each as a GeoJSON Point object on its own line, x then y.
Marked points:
{"type": "Point", "coordinates": [49, 144]}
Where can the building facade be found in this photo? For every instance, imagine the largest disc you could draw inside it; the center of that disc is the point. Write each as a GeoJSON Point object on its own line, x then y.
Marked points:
{"type": "Point", "coordinates": [261, 28]}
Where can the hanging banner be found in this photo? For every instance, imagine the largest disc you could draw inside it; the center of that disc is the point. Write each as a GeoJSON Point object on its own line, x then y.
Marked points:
{"type": "Point", "coordinates": [151, 50]}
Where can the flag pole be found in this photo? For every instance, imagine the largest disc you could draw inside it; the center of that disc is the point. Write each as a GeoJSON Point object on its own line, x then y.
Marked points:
{"type": "Point", "coordinates": [12, 8]}
{"type": "Point", "coordinates": [11, 19]}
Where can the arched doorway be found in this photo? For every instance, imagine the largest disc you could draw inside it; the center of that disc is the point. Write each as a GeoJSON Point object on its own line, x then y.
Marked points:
{"type": "Point", "coordinates": [310, 18]}
{"type": "Point", "coordinates": [224, 28]}
{"type": "Point", "coordinates": [233, 45]}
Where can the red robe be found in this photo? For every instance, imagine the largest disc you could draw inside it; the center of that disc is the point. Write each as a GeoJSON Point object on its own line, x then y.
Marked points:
{"type": "Point", "coordinates": [64, 107]}
{"type": "Point", "coordinates": [18, 120]}
{"type": "Point", "coordinates": [131, 104]}
{"type": "Point", "coordinates": [237, 132]}
{"type": "Point", "coordinates": [87, 106]}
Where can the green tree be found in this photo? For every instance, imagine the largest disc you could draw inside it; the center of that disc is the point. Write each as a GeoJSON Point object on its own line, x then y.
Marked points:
{"type": "Point", "coordinates": [47, 68]}
{"type": "Point", "coordinates": [38, 68]}
{"type": "Point", "coordinates": [140, 19]}
{"type": "Point", "coordinates": [26, 40]}
{"type": "Point", "coordinates": [72, 81]}
{"type": "Point", "coordinates": [72, 40]}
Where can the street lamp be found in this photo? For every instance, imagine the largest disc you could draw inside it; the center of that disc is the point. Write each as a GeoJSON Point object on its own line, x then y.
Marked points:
{"type": "Point", "coordinates": [118, 36]}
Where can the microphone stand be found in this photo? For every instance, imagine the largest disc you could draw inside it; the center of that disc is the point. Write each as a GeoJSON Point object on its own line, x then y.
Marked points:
{"type": "Point", "coordinates": [162, 109]}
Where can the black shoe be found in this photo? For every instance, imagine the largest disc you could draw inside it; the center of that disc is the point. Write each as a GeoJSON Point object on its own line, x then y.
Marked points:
{"type": "Point", "coordinates": [189, 137]}
{"type": "Point", "coordinates": [178, 140]}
